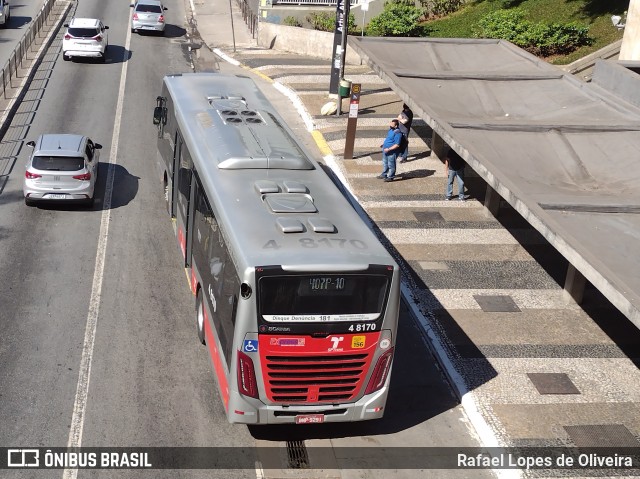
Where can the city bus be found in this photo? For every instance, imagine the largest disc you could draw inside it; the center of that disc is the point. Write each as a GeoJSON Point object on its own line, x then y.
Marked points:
{"type": "Point", "coordinates": [296, 299]}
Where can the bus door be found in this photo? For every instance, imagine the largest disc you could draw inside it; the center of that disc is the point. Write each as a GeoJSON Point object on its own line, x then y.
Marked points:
{"type": "Point", "coordinates": [173, 177]}
{"type": "Point", "coordinates": [192, 205]}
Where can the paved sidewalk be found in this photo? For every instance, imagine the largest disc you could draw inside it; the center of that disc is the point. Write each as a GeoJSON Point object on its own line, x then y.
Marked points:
{"type": "Point", "coordinates": [530, 368]}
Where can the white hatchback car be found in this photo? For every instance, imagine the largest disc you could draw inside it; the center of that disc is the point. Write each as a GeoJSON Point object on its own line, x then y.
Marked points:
{"type": "Point", "coordinates": [85, 37]}
{"type": "Point", "coordinates": [61, 167]}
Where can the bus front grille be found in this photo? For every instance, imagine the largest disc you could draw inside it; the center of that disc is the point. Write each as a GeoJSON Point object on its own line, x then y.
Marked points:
{"type": "Point", "coordinates": [315, 378]}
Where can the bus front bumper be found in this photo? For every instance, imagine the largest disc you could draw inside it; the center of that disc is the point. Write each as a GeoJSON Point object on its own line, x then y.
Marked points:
{"type": "Point", "coordinates": [244, 410]}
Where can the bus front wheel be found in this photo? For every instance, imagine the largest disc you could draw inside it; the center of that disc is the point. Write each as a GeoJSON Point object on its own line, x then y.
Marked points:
{"type": "Point", "coordinates": [200, 317]}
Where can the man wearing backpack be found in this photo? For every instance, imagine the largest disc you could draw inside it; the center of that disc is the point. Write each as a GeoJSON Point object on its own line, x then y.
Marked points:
{"type": "Point", "coordinates": [405, 118]}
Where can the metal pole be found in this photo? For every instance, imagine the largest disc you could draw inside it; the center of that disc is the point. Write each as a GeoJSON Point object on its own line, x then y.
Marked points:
{"type": "Point", "coordinates": [233, 32]}
{"type": "Point", "coordinates": [343, 43]}
{"type": "Point", "coordinates": [343, 46]}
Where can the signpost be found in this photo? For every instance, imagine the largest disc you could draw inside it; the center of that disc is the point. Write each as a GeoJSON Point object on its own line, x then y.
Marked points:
{"type": "Point", "coordinates": [339, 44]}
{"type": "Point", "coordinates": [352, 121]}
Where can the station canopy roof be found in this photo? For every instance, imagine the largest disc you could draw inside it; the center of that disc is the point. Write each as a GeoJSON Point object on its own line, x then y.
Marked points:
{"type": "Point", "coordinates": [564, 153]}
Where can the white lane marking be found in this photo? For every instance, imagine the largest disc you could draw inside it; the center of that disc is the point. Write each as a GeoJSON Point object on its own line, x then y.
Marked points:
{"type": "Point", "coordinates": [82, 390]}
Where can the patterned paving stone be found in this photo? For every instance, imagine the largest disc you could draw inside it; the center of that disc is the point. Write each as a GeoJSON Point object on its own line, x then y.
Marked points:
{"type": "Point", "coordinates": [599, 435]}
{"type": "Point", "coordinates": [553, 383]}
{"type": "Point", "coordinates": [496, 304]}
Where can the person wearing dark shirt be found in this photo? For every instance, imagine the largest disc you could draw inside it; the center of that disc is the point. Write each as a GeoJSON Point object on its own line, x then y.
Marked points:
{"type": "Point", "coordinates": [455, 169]}
{"type": "Point", "coordinates": [405, 118]}
{"type": "Point", "coordinates": [390, 148]}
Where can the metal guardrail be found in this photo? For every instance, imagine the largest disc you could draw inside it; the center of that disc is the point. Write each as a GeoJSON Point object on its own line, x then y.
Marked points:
{"type": "Point", "coordinates": [250, 15]}
{"type": "Point", "coordinates": [10, 68]}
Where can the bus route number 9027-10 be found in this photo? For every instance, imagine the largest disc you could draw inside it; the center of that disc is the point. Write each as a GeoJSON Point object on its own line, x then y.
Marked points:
{"type": "Point", "coordinates": [358, 328]}
{"type": "Point", "coordinates": [339, 243]}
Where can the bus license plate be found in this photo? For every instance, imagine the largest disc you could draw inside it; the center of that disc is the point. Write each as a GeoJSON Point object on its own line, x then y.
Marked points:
{"type": "Point", "coordinates": [310, 419]}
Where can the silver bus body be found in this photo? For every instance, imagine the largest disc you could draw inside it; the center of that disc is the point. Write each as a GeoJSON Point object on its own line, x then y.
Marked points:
{"type": "Point", "coordinates": [296, 298]}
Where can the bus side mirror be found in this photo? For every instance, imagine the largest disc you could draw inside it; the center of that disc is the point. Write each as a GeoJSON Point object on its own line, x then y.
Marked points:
{"type": "Point", "coordinates": [157, 115]}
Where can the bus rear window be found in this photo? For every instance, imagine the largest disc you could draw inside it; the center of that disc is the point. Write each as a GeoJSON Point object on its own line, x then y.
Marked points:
{"type": "Point", "coordinates": [326, 297]}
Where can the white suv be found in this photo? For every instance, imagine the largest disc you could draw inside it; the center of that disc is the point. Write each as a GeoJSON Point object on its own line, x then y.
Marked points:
{"type": "Point", "coordinates": [85, 37]}
{"type": "Point", "coordinates": [5, 13]}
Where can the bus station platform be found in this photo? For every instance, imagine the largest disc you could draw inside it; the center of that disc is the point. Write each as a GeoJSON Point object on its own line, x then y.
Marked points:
{"type": "Point", "coordinates": [530, 367]}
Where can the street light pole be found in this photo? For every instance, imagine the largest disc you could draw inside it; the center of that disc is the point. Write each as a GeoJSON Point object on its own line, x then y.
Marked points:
{"type": "Point", "coordinates": [233, 32]}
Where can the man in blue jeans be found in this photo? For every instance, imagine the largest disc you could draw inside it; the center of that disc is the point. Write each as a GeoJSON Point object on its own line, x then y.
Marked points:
{"type": "Point", "coordinates": [405, 118]}
{"type": "Point", "coordinates": [390, 149]}
{"type": "Point", "coordinates": [455, 169]}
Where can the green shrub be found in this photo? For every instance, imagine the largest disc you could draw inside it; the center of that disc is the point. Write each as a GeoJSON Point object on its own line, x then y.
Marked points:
{"type": "Point", "coordinates": [323, 21]}
{"type": "Point", "coordinates": [440, 8]}
{"type": "Point", "coordinates": [291, 22]}
{"type": "Point", "coordinates": [326, 22]}
{"type": "Point", "coordinates": [538, 38]}
{"type": "Point", "coordinates": [396, 20]}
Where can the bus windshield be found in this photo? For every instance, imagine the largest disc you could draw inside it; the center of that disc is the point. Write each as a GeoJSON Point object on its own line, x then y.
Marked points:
{"type": "Point", "coordinates": [322, 297]}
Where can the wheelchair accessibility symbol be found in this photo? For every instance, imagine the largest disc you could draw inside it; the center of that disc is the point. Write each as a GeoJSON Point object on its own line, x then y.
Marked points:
{"type": "Point", "coordinates": [250, 345]}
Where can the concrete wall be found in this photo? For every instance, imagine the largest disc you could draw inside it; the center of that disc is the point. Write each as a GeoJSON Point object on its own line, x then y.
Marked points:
{"type": "Point", "coordinates": [583, 68]}
{"type": "Point", "coordinates": [619, 78]}
{"type": "Point", "coordinates": [630, 50]}
{"type": "Point", "coordinates": [301, 40]}
{"type": "Point", "coordinates": [278, 13]}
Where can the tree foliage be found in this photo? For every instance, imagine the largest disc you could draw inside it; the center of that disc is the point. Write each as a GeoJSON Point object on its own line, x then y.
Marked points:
{"type": "Point", "coordinates": [326, 22]}
{"type": "Point", "coordinates": [440, 8]}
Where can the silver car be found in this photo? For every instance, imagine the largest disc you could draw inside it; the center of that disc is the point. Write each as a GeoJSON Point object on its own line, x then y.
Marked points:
{"type": "Point", "coordinates": [61, 168]}
{"type": "Point", "coordinates": [5, 13]}
{"type": "Point", "coordinates": [148, 15]}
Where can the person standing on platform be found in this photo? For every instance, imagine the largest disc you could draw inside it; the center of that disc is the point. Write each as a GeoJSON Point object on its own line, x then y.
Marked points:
{"type": "Point", "coordinates": [405, 118]}
{"type": "Point", "coordinates": [454, 165]}
{"type": "Point", "coordinates": [390, 149]}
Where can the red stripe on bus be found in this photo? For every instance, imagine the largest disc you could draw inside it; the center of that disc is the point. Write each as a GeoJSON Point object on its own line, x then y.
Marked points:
{"type": "Point", "coordinates": [217, 364]}
{"type": "Point", "coordinates": [194, 281]}
{"type": "Point", "coordinates": [182, 242]}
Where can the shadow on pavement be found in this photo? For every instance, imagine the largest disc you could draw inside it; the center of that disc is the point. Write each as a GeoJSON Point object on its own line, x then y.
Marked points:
{"type": "Point", "coordinates": [417, 393]}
